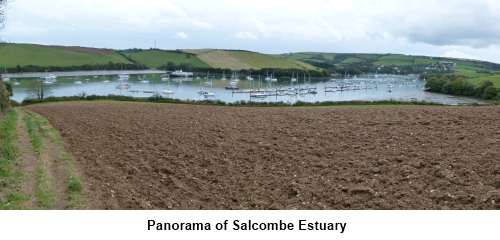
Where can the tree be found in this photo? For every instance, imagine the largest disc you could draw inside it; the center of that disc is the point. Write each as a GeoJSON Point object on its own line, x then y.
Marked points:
{"type": "Point", "coordinates": [38, 90]}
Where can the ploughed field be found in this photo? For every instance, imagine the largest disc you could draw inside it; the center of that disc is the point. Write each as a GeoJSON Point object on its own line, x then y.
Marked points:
{"type": "Point", "coordinates": [163, 156]}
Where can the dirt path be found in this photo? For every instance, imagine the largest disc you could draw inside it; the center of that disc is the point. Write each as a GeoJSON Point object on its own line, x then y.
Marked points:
{"type": "Point", "coordinates": [28, 162]}
{"type": "Point", "coordinates": [45, 175]}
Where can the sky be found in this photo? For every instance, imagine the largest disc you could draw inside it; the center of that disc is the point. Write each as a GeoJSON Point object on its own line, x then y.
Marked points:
{"type": "Point", "coordinates": [449, 28]}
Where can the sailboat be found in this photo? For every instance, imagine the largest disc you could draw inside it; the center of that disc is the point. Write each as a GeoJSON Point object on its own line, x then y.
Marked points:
{"type": "Point", "coordinates": [293, 79]}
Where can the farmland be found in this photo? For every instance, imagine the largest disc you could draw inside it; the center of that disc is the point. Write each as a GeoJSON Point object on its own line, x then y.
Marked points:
{"type": "Point", "coordinates": [238, 60]}
{"type": "Point", "coordinates": [158, 58]}
{"type": "Point", "coordinates": [176, 156]}
{"type": "Point", "coordinates": [46, 56]}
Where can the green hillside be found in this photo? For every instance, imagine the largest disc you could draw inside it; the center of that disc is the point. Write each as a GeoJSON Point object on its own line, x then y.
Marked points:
{"type": "Point", "coordinates": [157, 58]}
{"type": "Point", "coordinates": [240, 60]}
{"type": "Point", "coordinates": [12, 55]}
{"type": "Point", "coordinates": [343, 59]}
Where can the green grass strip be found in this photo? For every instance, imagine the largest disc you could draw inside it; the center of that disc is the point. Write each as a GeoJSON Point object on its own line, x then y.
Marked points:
{"type": "Point", "coordinates": [9, 176]}
{"type": "Point", "coordinates": [37, 131]}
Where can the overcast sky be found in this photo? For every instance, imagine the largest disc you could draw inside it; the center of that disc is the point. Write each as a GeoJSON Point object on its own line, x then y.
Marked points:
{"type": "Point", "coordinates": [451, 28]}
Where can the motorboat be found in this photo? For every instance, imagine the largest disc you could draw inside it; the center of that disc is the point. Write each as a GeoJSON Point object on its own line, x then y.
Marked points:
{"type": "Point", "coordinates": [181, 74]}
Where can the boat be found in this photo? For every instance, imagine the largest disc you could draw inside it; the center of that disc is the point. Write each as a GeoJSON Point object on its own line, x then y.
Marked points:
{"type": "Point", "coordinates": [123, 86]}
{"type": "Point", "coordinates": [123, 77]}
{"type": "Point", "coordinates": [232, 87]}
{"type": "Point", "coordinates": [6, 79]}
{"type": "Point", "coordinates": [165, 79]}
{"type": "Point", "coordinates": [106, 81]}
{"type": "Point", "coordinates": [312, 91]}
{"type": "Point", "coordinates": [209, 94]}
{"type": "Point", "coordinates": [181, 74]}
{"type": "Point", "coordinates": [50, 79]}
{"type": "Point", "coordinates": [250, 78]}
{"type": "Point", "coordinates": [167, 91]}
{"type": "Point", "coordinates": [78, 82]}
{"type": "Point", "coordinates": [258, 95]}
{"type": "Point", "coordinates": [145, 81]}
{"type": "Point", "coordinates": [17, 83]}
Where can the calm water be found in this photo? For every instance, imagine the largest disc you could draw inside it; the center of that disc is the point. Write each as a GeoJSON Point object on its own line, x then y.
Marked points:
{"type": "Point", "coordinates": [369, 87]}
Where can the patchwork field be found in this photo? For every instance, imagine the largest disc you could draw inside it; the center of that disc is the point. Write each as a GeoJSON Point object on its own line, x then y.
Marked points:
{"type": "Point", "coordinates": [163, 156]}
{"type": "Point", "coordinates": [238, 60]}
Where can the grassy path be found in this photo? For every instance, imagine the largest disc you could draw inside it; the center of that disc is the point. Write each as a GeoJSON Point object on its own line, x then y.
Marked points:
{"type": "Point", "coordinates": [36, 172]}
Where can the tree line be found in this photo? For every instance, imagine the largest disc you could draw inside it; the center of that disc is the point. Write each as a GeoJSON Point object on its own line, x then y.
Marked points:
{"type": "Point", "coordinates": [86, 67]}
{"type": "Point", "coordinates": [460, 85]}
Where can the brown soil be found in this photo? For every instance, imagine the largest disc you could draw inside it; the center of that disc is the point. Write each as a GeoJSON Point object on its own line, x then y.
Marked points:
{"type": "Point", "coordinates": [161, 156]}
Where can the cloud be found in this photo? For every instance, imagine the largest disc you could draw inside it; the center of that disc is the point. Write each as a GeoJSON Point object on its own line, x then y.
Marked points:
{"type": "Point", "coordinates": [246, 36]}
{"type": "Point", "coordinates": [411, 26]}
{"type": "Point", "coordinates": [181, 35]}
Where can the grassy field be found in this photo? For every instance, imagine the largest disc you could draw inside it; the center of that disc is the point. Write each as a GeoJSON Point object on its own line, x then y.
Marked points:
{"type": "Point", "coordinates": [12, 55]}
{"type": "Point", "coordinates": [157, 58]}
{"type": "Point", "coordinates": [239, 60]}
{"type": "Point", "coordinates": [495, 78]}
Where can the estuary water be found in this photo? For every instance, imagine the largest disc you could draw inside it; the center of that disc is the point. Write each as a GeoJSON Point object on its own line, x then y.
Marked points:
{"type": "Point", "coordinates": [361, 88]}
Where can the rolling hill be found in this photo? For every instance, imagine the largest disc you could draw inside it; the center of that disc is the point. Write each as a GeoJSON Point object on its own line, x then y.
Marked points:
{"type": "Point", "coordinates": [156, 58]}
{"type": "Point", "coordinates": [476, 71]}
{"type": "Point", "coordinates": [12, 55]}
{"type": "Point", "coordinates": [240, 60]}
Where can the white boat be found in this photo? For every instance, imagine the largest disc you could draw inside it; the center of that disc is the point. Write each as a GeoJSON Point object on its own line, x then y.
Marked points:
{"type": "Point", "coordinates": [167, 91]}
{"type": "Point", "coordinates": [258, 95]}
{"type": "Point", "coordinates": [181, 74]}
{"type": "Point", "coordinates": [123, 77]}
{"type": "Point", "coordinates": [165, 79]}
{"type": "Point", "coordinates": [50, 79]}
{"type": "Point", "coordinates": [78, 82]}
{"type": "Point", "coordinates": [250, 78]}
{"type": "Point", "coordinates": [17, 83]}
{"type": "Point", "coordinates": [106, 81]}
{"type": "Point", "coordinates": [6, 79]}
{"type": "Point", "coordinates": [145, 81]}
{"type": "Point", "coordinates": [209, 94]}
